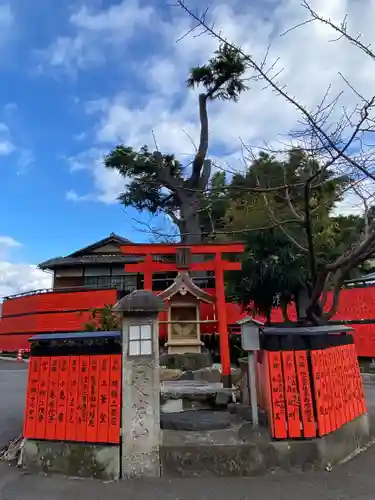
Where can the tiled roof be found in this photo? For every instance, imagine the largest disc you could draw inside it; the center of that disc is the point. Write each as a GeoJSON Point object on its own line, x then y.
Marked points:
{"type": "Point", "coordinates": [366, 277]}
{"type": "Point", "coordinates": [89, 259]}
{"type": "Point", "coordinates": [86, 255]}
{"type": "Point", "coordinates": [112, 238]}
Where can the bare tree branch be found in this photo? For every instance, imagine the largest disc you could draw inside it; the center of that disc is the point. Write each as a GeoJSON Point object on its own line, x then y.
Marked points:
{"type": "Point", "coordinates": [271, 81]}
{"type": "Point", "coordinates": [149, 229]}
{"type": "Point", "coordinates": [339, 143]}
{"type": "Point", "coordinates": [280, 225]}
{"type": "Point", "coordinates": [341, 30]}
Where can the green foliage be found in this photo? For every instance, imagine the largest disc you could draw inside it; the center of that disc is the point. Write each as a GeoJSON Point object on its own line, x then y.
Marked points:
{"type": "Point", "coordinates": [222, 76]}
{"type": "Point", "coordinates": [275, 265]}
{"type": "Point", "coordinates": [214, 207]}
{"type": "Point", "coordinates": [273, 271]}
{"type": "Point", "coordinates": [158, 182]}
{"type": "Point", "coordinates": [142, 168]}
{"type": "Point", "coordinates": [102, 320]}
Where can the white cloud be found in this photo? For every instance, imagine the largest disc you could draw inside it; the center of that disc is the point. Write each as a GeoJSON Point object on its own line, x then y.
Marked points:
{"type": "Point", "coordinates": [6, 15]}
{"type": "Point", "coordinates": [7, 30]}
{"type": "Point", "coordinates": [67, 51]}
{"type": "Point", "coordinates": [7, 242]}
{"type": "Point", "coordinates": [18, 277]}
{"type": "Point", "coordinates": [107, 183]}
{"type": "Point", "coordinates": [310, 63]}
{"type": "Point", "coordinates": [93, 31]}
{"type": "Point", "coordinates": [73, 196]}
{"type": "Point", "coordinates": [25, 159]}
{"type": "Point", "coordinates": [24, 156]}
{"type": "Point", "coordinates": [80, 136]}
{"type": "Point", "coordinates": [118, 21]}
{"type": "Point", "coordinates": [6, 147]}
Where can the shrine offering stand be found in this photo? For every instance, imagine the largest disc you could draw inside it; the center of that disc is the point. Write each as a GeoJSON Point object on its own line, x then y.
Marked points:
{"type": "Point", "coordinates": [73, 404]}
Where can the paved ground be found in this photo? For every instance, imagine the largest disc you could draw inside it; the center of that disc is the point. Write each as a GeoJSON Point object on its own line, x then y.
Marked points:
{"type": "Point", "coordinates": [12, 399]}
{"type": "Point", "coordinates": [352, 481]}
{"type": "Point", "coordinates": [370, 397]}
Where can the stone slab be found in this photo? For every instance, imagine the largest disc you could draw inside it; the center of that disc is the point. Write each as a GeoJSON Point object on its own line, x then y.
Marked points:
{"type": "Point", "coordinates": [169, 374]}
{"type": "Point", "coordinates": [245, 451]}
{"type": "Point", "coordinates": [244, 412]}
{"type": "Point", "coordinates": [72, 459]}
{"type": "Point", "coordinates": [186, 361]}
{"type": "Point", "coordinates": [201, 420]}
{"type": "Point", "coordinates": [177, 389]}
{"type": "Point", "coordinates": [209, 374]}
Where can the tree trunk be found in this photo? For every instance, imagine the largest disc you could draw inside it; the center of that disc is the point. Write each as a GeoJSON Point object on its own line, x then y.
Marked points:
{"type": "Point", "coordinates": [191, 232]}
{"type": "Point", "coordinates": [302, 300]}
{"type": "Point", "coordinates": [268, 316]}
{"type": "Point", "coordinates": [190, 228]}
{"type": "Point", "coordinates": [284, 311]}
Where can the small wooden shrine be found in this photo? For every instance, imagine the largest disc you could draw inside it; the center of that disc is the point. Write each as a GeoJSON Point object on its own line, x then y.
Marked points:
{"type": "Point", "coordinates": [183, 298]}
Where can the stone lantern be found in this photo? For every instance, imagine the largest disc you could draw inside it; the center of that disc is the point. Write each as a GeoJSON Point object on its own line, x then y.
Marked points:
{"type": "Point", "coordinates": [140, 384]}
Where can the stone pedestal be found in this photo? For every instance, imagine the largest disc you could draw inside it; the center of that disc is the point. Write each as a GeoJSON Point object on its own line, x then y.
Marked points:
{"type": "Point", "coordinates": [141, 384]}
{"type": "Point", "coordinates": [182, 347]}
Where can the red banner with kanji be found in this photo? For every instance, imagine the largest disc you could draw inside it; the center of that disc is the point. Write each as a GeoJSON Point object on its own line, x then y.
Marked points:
{"type": "Point", "coordinates": [313, 392]}
{"type": "Point", "coordinates": [71, 407]}
{"type": "Point", "coordinates": [114, 399]}
{"type": "Point", "coordinates": [74, 398]}
{"type": "Point", "coordinates": [279, 424]}
{"type": "Point", "coordinates": [292, 395]}
{"type": "Point", "coordinates": [31, 415]}
{"type": "Point", "coordinates": [62, 398]}
{"type": "Point", "coordinates": [306, 401]}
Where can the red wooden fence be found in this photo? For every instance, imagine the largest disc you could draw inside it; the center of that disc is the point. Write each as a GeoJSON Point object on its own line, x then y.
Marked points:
{"type": "Point", "coordinates": [335, 391]}
{"type": "Point", "coordinates": [74, 398]}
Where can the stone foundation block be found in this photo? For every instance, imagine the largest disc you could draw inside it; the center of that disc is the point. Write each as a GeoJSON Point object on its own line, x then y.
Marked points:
{"type": "Point", "coordinates": [72, 459]}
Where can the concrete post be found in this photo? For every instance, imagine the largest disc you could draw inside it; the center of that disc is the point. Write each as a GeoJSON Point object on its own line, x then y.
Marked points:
{"type": "Point", "coordinates": [141, 384]}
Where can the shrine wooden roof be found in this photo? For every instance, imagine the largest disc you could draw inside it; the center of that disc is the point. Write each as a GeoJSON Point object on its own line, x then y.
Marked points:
{"type": "Point", "coordinates": [183, 284]}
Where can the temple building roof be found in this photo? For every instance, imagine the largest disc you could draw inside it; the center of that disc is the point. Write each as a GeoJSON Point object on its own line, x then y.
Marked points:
{"type": "Point", "coordinates": [105, 251]}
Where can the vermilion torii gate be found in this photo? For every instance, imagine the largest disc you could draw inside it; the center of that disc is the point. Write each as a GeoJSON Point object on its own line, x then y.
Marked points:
{"type": "Point", "coordinates": [218, 265]}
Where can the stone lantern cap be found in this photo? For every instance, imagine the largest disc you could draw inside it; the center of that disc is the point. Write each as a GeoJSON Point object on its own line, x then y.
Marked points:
{"type": "Point", "coordinates": [140, 301]}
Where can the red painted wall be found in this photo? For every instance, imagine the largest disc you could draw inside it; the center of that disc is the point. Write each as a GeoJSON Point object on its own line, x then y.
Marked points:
{"type": "Point", "coordinates": [355, 304]}
{"type": "Point", "coordinates": [58, 301]}
{"type": "Point", "coordinates": [23, 317]}
{"type": "Point", "coordinates": [64, 311]}
{"type": "Point", "coordinates": [11, 343]}
{"type": "Point", "coordinates": [50, 322]}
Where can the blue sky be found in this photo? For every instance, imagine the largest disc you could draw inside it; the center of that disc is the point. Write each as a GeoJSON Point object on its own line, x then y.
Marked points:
{"type": "Point", "coordinates": [73, 75]}
{"type": "Point", "coordinates": [45, 88]}
{"type": "Point", "coordinates": [79, 76]}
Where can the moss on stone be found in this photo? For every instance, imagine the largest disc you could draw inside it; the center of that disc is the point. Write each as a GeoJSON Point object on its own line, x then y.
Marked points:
{"type": "Point", "coordinates": [73, 459]}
